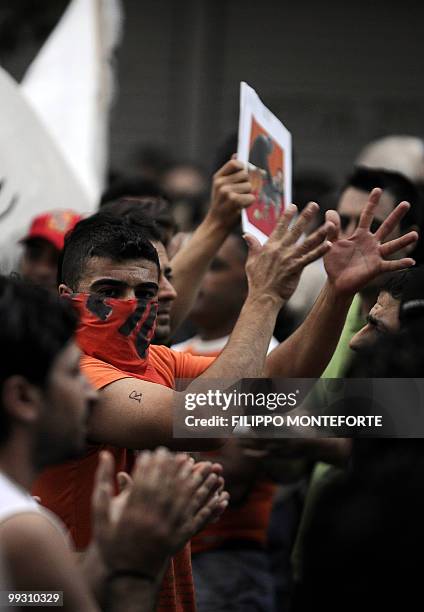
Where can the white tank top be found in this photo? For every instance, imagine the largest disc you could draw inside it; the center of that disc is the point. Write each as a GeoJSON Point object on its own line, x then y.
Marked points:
{"type": "Point", "coordinates": [15, 500]}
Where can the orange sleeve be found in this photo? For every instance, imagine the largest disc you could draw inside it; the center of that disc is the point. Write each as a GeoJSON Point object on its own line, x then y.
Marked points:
{"type": "Point", "coordinates": [100, 373]}
{"type": "Point", "coordinates": [174, 364]}
{"type": "Point", "coordinates": [190, 366]}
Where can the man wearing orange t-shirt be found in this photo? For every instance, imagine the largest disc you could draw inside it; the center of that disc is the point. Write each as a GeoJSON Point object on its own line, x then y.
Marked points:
{"type": "Point", "coordinates": [111, 274]}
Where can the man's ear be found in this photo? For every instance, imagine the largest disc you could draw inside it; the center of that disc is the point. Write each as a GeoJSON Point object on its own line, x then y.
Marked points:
{"type": "Point", "coordinates": [21, 399]}
{"type": "Point", "coordinates": [65, 290]}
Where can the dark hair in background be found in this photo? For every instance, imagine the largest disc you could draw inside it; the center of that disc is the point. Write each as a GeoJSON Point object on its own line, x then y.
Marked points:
{"type": "Point", "coordinates": [35, 327]}
{"type": "Point", "coordinates": [103, 235]}
{"type": "Point", "coordinates": [130, 186]}
{"type": "Point", "coordinates": [395, 283]}
{"type": "Point", "coordinates": [151, 159]}
{"type": "Point", "coordinates": [154, 213]}
{"type": "Point", "coordinates": [401, 188]}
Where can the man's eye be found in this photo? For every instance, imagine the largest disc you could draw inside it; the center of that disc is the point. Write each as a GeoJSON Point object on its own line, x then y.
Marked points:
{"type": "Point", "coordinates": [108, 292]}
{"type": "Point", "coordinates": [145, 294]}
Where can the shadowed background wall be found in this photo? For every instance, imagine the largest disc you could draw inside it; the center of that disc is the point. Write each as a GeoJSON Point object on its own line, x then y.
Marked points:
{"type": "Point", "coordinates": [338, 74]}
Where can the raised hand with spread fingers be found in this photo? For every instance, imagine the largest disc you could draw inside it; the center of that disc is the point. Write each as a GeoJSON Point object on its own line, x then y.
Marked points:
{"type": "Point", "coordinates": [353, 262]}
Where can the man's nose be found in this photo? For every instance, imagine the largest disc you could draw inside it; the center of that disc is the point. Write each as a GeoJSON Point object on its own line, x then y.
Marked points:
{"type": "Point", "coordinates": [364, 337]}
{"type": "Point", "coordinates": [129, 294]}
{"type": "Point", "coordinates": [166, 290]}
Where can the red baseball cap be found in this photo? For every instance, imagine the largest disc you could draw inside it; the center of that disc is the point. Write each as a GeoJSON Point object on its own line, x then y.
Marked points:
{"type": "Point", "coordinates": [53, 226]}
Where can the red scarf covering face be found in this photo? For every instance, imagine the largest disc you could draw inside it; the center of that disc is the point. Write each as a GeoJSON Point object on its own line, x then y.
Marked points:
{"type": "Point", "coordinates": [116, 331]}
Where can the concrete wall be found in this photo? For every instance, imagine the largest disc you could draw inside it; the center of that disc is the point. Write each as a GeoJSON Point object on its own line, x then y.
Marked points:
{"type": "Point", "coordinates": [337, 73]}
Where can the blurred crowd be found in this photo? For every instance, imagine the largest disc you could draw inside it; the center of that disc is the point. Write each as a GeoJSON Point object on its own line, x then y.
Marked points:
{"type": "Point", "coordinates": [102, 316]}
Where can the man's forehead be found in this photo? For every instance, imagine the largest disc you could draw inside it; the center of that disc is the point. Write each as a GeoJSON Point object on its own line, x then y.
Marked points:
{"type": "Point", "coordinates": [386, 300]}
{"type": "Point", "coordinates": [353, 200]}
{"type": "Point", "coordinates": [386, 306]}
{"type": "Point", "coordinates": [132, 271]}
{"type": "Point", "coordinates": [162, 253]}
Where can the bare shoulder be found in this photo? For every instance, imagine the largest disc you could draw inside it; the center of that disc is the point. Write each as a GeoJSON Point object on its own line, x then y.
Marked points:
{"type": "Point", "coordinates": [31, 528]}
{"type": "Point", "coordinates": [37, 557]}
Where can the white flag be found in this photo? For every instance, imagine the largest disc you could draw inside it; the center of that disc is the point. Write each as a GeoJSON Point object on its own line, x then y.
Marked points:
{"type": "Point", "coordinates": [70, 86]}
{"type": "Point", "coordinates": [34, 176]}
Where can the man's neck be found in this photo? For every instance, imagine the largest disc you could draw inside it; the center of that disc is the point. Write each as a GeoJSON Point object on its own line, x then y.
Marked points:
{"type": "Point", "coordinates": [16, 464]}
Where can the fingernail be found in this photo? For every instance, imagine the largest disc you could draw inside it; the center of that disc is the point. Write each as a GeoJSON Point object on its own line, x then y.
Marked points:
{"type": "Point", "coordinates": [291, 208]}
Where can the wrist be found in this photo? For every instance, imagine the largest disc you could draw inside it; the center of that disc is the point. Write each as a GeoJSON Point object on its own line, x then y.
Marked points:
{"type": "Point", "coordinates": [218, 224]}
{"type": "Point", "coordinates": [338, 296]}
{"type": "Point", "coordinates": [267, 300]}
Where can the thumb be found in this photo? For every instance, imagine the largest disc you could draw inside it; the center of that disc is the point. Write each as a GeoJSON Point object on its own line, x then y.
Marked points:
{"type": "Point", "coordinates": [253, 244]}
{"type": "Point", "coordinates": [102, 494]}
{"type": "Point", "coordinates": [332, 217]}
{"type": "Point", "coordinates": [124, 481]}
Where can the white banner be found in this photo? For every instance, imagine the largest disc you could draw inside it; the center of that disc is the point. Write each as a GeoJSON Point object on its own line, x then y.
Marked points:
{"type": "Point", "coordinates": [70, 85]}
{"type": "Point", "coordinates": [34, 177]}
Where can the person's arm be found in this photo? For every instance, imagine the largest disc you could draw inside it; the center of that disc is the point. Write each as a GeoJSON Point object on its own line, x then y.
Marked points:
{"type": "Point", "coordinates": [306, 353]}
{"type": "Point", "coordinates": [231, 192]}
{"type": "Point", "coordinates": [240, 470]}
{"type": "Point", "coordinates": [273, 272]}
{"type": "Point", "coordinates": [130, 593]}
{"type": "Point", "coordinates": [288, 459]}
{"type": "Point", "coordinates": [350, 264]}
{"type": "Point", "coordinates": [37, 559]}
{"type": "Point", "coordinates": [166, 500]}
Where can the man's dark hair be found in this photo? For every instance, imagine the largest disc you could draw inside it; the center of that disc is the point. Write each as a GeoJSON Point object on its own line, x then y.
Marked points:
{"type": "Point", "coordinates": [395, 283]}
{"type": "Point", "coordinates": [401, 188]}
{"type": "Point", "coordinates": [152, 212]}
{"type": "Point", "coordinates": [130, 187]}
{"type": "Point", "coordinates": [398, 185]}
{"type": "Point", "coordinates": [35, 327]}
{"type": "Point", "coordinates": [103, 235]}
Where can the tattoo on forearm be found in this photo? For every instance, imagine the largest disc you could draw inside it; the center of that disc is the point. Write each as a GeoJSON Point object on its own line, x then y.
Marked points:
{"type": "Point", "coordinates": [136, 396]}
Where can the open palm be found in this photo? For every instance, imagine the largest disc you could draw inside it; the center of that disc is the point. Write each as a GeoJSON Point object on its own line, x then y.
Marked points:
{"type": "Point", "coordinates": [353, 262]}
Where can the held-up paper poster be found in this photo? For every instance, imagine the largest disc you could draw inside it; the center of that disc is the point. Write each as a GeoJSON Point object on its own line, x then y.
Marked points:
{"type": "Point", "coordinates": [264, 144]}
